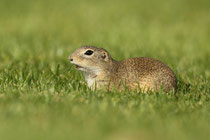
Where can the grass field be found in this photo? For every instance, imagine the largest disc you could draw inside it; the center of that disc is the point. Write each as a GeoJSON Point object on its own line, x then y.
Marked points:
{"type": "Point", "coordinates": [42, 96]}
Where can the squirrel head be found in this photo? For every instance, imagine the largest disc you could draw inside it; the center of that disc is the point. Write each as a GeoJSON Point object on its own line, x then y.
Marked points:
{"type": "Point", "coordinates": [91, 59]}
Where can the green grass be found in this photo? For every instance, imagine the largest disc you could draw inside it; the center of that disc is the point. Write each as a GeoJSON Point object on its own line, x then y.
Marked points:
{"type": "Point", "coordinates": [43, 97]}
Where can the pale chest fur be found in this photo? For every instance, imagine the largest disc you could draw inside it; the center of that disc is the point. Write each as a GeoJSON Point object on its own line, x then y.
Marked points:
{"type": "Point", "coordinates": [90, 81]}
{"type": "Point", "coordinates": [90, 78]}
{"type": "Point", "coordinates": [97, 78]}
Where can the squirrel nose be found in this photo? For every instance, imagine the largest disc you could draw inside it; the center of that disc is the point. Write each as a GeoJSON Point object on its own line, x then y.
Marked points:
{"type": "Point", "coordinates": [70, 58]}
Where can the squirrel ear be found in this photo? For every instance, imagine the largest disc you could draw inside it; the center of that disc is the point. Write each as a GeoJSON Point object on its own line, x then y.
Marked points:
{"type": "Point", "coordinates": [104, 55]}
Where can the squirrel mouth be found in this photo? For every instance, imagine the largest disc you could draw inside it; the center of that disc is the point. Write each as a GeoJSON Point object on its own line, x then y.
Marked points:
{"type": "Point", "coordinates": [77, 66]}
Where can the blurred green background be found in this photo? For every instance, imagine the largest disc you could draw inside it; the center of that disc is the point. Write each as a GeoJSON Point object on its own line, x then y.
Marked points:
{"type": "Point", "coordinates": [43, 97]}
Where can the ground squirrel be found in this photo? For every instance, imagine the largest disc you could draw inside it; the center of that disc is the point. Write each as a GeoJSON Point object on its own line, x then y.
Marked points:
{"type": "Point", "coordinates": [101, 70]}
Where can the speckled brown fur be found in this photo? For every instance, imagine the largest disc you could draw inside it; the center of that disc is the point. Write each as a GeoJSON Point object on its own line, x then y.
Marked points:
{"type": "Point", "coordinates": [133, 73]}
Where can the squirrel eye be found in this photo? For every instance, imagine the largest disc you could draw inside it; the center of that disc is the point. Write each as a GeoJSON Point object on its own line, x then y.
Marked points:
{"type": "Point", "coordinates": [88, 52]}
